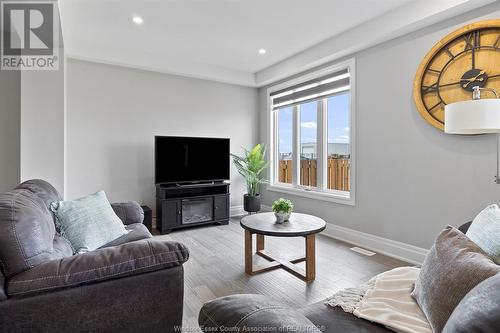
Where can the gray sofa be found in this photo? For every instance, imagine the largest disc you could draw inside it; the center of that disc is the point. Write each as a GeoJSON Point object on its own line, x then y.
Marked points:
{"type": "Point", "coordinates": [134, 283]}
{"type": "Point", "coordinates": [478, 312]}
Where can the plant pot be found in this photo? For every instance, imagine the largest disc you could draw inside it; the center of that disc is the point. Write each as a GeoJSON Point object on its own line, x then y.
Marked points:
{"type": "Point", "coordinates": [251, 203]}
{"type": "Point", "coordinates": [281, 217]}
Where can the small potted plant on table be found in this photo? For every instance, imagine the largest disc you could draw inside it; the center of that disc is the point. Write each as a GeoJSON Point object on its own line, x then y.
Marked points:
{"type": "Point", "coordinates": [282, 209]}
{"type": "Point", "coordinates": [251, 166]}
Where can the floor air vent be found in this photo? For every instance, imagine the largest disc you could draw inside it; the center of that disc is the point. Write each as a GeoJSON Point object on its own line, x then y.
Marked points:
{"type": "Point", "coordinates": [363, 251]}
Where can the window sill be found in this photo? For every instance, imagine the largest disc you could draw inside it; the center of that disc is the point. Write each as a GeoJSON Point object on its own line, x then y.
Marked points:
{"type": "Point", "coordinates": [339, 197]}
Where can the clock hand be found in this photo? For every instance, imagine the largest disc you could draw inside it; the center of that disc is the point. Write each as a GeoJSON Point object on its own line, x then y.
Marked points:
{"type": "Point", "coordinates": [460, 81]}
{"type": "Point", "coordinates": [466, 84]}
{"type": "Point", "coordinates": [474, 78]}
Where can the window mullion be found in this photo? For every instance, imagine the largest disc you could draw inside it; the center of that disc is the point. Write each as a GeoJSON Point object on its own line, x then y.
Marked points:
{"type": "Point", "coordinates": [275, 151]}
{"type": "Point", "coordinates": [319, 144]}
{"type": "Point", "coordinates": [296, 146]}
{"type": "Point", "coordinates": [322, 144]}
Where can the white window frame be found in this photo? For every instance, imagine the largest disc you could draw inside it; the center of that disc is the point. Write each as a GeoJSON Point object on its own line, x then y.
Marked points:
{"type": "Point", "coordinates": [335, 196]}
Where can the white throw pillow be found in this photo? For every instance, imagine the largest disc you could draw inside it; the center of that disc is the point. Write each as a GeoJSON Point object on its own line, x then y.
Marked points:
{"type": "Point", "coordinates": [89, 222]}
{"type": "Point", "coordinates": [485, 231]}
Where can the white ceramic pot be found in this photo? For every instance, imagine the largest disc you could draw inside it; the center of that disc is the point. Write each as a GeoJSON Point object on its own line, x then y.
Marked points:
{"type": "Point", "coordinates": [281, 217]}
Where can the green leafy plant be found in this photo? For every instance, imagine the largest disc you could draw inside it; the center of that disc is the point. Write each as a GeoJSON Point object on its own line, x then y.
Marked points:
{"type": "Point", "coordinates": [282, 206]}
{"type": "Point", "coordinates": [251, 166]}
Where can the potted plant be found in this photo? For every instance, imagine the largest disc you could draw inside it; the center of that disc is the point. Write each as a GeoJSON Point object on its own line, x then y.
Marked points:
{"type": "Point", "coordinates": [251, 166]}
{"type": "Point", "coordinates": [282, 209]}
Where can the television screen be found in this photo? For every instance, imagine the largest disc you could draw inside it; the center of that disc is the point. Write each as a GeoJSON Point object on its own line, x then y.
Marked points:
{"type": "Point", "coordinates": [187, 159]}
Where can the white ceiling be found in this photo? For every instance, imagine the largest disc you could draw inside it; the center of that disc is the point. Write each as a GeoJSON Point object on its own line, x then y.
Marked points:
{"type": "Point", "coordinates": [214, 39]}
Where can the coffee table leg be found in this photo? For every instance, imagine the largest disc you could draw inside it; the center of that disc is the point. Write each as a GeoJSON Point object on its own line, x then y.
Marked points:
{"type": "Point", "coordinates": [310, 257]}
{"type": "Point", "coordinates": [260, 242]}
{"type": "Point", "coordinates": [248, 252]}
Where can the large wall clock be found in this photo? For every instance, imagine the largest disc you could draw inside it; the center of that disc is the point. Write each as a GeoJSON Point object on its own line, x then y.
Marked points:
{"type": "Point", "coordinates": [467, 57]}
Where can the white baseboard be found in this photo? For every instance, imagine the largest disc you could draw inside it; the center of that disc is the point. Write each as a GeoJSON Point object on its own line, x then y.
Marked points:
{"type": "Point", "coordinates": [406, 252]}
{"type": "Point", "coordinates": [237, 211]}
{"type": "Point", "coordinates": [391, 248]}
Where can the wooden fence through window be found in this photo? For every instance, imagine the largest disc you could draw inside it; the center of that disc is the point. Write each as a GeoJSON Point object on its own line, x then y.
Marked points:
{"type": "Point", "coordinates": [338, 173]}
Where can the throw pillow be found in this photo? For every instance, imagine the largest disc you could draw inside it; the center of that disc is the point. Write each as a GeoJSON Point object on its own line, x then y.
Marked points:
{"type": "Point", "coordinates": [454, 266]}
{"type": "Point", "coordinates": [485, 231]}
{"type": "Point", "coordinates": [479, 311]}
{"type": "Point", "coordinates": [89, 222]}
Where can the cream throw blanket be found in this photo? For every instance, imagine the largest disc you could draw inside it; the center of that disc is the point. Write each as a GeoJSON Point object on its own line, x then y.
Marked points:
{"type": "Point", "coordinates": [386, 300]}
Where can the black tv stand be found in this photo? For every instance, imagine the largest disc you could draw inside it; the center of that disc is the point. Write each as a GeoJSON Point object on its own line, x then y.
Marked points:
{"type": "Point", "coordinates": [197, 184]}
{"type": "Point", "coordinates": [190, 204]}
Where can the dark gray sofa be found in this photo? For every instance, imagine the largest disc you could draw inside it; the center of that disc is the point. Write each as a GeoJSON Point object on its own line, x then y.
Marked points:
{"type": "Point", "coordinates": [132, 284]}
{"type": "Point", "coordinates": [478, 312]}
{"type": "Point", "coordinates": [262, 314]}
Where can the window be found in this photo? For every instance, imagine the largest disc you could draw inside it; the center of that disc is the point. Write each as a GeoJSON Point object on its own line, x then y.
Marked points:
{"type": "Point", "coordinates": [311, 135]}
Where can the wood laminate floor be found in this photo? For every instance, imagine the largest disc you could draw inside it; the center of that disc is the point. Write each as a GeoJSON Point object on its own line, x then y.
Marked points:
{"type": "Point", "coordinates": [216, 268]}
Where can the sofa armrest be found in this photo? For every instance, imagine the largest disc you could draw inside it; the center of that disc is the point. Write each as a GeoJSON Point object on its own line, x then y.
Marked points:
{"type": "Point", "coordinates": [99, 265]}
{"type": "Point", "coordinates": [252, 313]}
{"type": "Point", "coordinates": [129, 212]}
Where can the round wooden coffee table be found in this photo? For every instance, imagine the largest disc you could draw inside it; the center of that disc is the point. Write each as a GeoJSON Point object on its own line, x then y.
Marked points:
{"type": "Point", "coordinates": [299, 225]}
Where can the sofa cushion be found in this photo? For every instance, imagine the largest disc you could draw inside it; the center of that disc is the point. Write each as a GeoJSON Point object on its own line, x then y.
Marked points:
{"type": "Point", "coordinates": [41, 189]}
{"type": "Point", "coordinates": [454, 266]}
{"type": "Point", "coordinates": [26, 232]}
{"type": "Point", "coordinates": [479, 311]}
{"type": "Point", "coordinates": [485, 231]}
{"type": "Point", "coordinates": [136, 231]}
{"type": "Point", "coordinates": [89, 222]}
{"type": "Point", "coordinates": [62, 246]}
{"type": "Point", "coordinates": [99, 265]}
{"type": "Point", "coordinates": [129, 212]}
{"type": "Point", "coordinates": [334, 320]}
{"type": "Point", "coordinates": [143, 303]}
{"type": "Point", "coordinates": [48, 194]}
{"type": "Point", "coordinates": [252, 313]}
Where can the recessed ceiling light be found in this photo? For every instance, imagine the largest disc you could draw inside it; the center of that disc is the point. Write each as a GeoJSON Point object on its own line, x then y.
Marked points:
{"type": "Point", "coordinates": [137, 20]}
{"type": "Point", "coordinates": [262, 51]}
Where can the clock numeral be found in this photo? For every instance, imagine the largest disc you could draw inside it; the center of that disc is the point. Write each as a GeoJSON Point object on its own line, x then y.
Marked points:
{"type": "Point", "coordinates": [497, 42]}
{"type": "Point", "coordinates": [435, 71]}
{"type": "Point", "coordinates": [477, 38]}
{"type": "Point", "coordinates": [430, 89]}
{"type": "Point", "coordinates": [472, 40]}
{"type": "Point", "coordinates": [448, 52]}
{"type": "Point", "coordinates": [468, 42]}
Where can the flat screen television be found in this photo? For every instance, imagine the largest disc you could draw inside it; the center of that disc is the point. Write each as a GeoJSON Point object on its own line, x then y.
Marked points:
{"type": "Point", "coordinates": [191, 160]}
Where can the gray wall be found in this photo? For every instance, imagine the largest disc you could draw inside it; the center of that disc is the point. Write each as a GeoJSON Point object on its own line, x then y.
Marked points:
{"type": "Point", "coordinates": [10, 105]}
{"type": "Point", "coordinates": [42, 124]}
{"type": "Point", "coordinates": [10, 115]}
{"type": "Point", "coordinates": [411, 178]}
{"type": "Point", "coordinates": [113, 114]}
